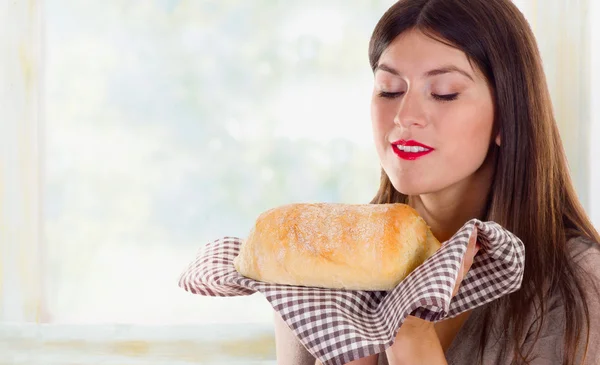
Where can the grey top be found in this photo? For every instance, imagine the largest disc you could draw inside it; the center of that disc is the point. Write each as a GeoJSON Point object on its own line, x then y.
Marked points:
{"type": "Point", "coordinates": [498, 350]}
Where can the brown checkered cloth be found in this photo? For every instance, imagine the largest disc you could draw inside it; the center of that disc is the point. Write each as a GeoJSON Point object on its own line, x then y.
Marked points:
{"type": "Point", "coordinates": [339, 326]}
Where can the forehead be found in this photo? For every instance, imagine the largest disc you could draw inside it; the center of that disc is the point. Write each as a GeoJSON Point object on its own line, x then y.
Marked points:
{"type": "Point", "coordinates": [415, 52]}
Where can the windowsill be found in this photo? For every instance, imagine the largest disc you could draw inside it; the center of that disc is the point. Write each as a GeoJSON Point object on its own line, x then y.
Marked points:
{"type": "Point", "coordinates": [33, 344]}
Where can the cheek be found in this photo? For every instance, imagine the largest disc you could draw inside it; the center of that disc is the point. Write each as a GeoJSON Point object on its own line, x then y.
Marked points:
{"type": "Point", "coordinates": [468, 135]}
{"type": "Point", "coordinates": [382, 120]}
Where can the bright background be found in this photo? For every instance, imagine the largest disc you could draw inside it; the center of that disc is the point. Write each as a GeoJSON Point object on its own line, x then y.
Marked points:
{"type": "Point", "coordinates": [172, 123]}
{"type": "Point", "coordinates": [134, 132]}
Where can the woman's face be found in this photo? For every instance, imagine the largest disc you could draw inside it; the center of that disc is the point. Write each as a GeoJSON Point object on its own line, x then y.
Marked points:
{"type": "Point", "coordinates": [432, 115]}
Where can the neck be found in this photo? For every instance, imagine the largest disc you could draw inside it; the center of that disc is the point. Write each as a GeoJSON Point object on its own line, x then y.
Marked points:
{"type": "Point", "coordinates": [447, 211]}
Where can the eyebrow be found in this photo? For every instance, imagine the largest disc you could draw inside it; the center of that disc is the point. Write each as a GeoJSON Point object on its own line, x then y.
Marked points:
{"type": "Point", "coordinates": [438, 71]}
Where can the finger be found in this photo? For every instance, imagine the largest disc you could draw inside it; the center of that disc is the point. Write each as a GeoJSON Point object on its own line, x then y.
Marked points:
{"type": "Point", "coordinates": [473, 238]}
{"type": "Point", "coordinates": [467, 262]}
{"type": "Point", "coordinates": [461, 274]}
{"type": "Point", "coordinates": [458, 281]}
{"type": "Point", "coordinates": [472, 250]}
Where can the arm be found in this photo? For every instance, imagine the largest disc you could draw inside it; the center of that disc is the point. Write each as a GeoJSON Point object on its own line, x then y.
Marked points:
{"type": "Point", "coordinates": [288, 349]}
{"type": "Point", "coordinates": [417, 341]}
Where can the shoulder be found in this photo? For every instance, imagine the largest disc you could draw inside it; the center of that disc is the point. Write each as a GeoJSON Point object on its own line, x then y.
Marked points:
{"type": "Point", "coordinates": [586, 256]}
{"type": "Point", "coordinates": [585, 253]}
{"type": "Point", "coordinates": [580, 246]}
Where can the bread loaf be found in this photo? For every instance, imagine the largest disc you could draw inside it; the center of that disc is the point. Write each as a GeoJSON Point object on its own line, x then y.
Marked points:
{"type": "Point", "coordinates": [337, 246]}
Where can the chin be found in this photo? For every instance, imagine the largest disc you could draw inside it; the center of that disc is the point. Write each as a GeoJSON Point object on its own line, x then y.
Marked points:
{"type": "Point", "coordinates": [408, 188]}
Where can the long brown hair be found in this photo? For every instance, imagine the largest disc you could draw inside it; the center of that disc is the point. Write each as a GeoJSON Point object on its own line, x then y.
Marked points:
{"type": "Point", "coordinates": [531, 194]}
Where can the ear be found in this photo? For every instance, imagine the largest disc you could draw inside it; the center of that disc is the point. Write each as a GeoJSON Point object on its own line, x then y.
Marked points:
{"type": "Point", "coordinates": [498, 139]}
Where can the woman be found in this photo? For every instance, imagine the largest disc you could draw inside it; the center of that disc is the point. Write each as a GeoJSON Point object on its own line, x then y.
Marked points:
{"type": "Point", "coordinates": [463, 126]}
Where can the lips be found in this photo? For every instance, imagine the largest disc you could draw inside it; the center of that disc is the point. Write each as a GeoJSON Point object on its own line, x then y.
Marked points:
{"type": "Point", "coordinates": [410, 150]}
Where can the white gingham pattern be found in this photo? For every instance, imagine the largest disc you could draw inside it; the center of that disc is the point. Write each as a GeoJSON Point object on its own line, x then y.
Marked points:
{"type": "Point", "coordinates": [339, 326]}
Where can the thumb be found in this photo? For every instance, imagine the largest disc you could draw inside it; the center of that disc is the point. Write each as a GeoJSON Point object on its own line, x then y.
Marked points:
{"type": "Point", "coordinates": [473, 244]}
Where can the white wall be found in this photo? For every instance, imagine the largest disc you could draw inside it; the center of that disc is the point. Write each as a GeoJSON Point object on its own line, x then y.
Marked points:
{"type": "Point", "coordinates": [20, 61]}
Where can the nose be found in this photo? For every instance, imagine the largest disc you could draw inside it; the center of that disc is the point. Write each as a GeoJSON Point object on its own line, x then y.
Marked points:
{"type": "Point", "coordinates": [410, 112]}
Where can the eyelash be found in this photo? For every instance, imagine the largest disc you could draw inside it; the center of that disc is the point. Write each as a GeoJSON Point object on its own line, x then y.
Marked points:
{"type": "Point", "coordinates": [448, 97]}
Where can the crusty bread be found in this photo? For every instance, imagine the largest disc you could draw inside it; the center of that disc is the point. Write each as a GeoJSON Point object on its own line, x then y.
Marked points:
{"type": "Point", "coordinates": [338, 246]}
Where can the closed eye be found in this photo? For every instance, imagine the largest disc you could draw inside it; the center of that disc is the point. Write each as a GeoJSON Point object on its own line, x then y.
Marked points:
{"type": "Point", "coordinates": [388, 95]}
{"type": "Point", "coordinates": [447, 97]}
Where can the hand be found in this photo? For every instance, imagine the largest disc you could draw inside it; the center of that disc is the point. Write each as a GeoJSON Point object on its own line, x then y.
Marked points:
{"type": "Point", "coordinates": [472, 249]}
{"type": "Point", "coordinates": [417, 341]}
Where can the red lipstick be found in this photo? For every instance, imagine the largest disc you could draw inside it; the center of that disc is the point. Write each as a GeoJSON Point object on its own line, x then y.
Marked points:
{"type": "Point", "coordinates": [410, 150]}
